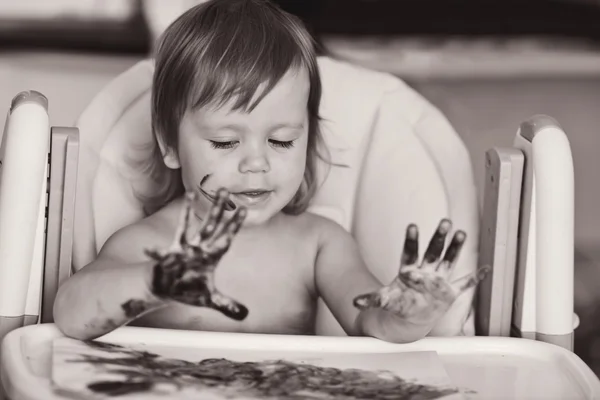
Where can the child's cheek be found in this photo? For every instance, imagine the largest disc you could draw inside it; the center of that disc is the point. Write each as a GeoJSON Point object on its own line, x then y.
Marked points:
{"type": "Point", "coordinates": [215, 175]}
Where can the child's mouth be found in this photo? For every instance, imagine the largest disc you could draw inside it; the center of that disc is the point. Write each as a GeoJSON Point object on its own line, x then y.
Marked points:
{"type": "Point", "coordinates": [252, 197]}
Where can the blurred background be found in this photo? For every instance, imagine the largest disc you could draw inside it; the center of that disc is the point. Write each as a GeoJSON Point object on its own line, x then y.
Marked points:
{"type": "Point", "coordinates": [487, 64]}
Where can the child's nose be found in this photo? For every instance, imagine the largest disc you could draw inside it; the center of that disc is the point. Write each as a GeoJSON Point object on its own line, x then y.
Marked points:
{"type": "Point", "coordinates": [255, 160]}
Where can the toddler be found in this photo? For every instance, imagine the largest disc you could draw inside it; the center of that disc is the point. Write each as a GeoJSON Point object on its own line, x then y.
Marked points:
{"type": "Point", "coordinates": [228, 244]}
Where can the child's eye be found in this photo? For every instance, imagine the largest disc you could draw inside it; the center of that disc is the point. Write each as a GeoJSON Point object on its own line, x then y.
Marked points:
{"type": "Point", "coordinates": [283, 144]}
{"type": "Point", "coordinates": [221, 145]}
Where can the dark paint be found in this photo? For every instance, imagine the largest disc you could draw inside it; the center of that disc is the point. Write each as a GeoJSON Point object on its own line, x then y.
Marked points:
{"type": "Point", "coordinates": [410, 253]}
{"type": "Point", "coordinates": [187, 276]}
{"type": "Point", "coordinates": [229, 205]}
{"type": "Point", "coordinates": [435, 248]}
{"type": "Point", "coordinates": [133, 308]}
{"type": "Point", "coordinates": [455, 246]}
{"type": "Point", "coordinates": [140, 371]}
{"type": "Point", "coordinates": [110, 325]}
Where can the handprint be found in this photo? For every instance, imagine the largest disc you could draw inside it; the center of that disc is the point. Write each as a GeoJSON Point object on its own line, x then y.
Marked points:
{"type": "Point", "coordinates": [421, 293]}
{"type": "Point", "coordinates": [185, 271]}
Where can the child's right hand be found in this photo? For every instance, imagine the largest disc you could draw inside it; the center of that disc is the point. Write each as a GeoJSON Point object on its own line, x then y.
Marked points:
{"type": "Point", "coordinates": [185, 272]}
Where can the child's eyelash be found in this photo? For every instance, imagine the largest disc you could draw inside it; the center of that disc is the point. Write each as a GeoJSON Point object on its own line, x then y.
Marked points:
{"type": "Point", "coordinates": [283, 144]}
{"type": "Point", "coordinates": [221, 145]}
{"type": "Point", "coordinates": [228, 145]}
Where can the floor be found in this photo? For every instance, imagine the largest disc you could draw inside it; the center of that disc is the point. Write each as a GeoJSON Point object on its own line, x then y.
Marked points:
{"type": "Point", "coordinates": [486, 111]}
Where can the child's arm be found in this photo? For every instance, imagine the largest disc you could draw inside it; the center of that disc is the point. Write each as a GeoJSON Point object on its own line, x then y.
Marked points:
{"type": "Point", "coordinates": [403, 311]}
{"type": "Point", "coordinates": [119, 286]}
{"type": "Point", "coordinates": [109, 292]}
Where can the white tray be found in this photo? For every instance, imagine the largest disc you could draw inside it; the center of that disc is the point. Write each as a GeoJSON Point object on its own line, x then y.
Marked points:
{"type": "Point", "coordinates": [482, 367]}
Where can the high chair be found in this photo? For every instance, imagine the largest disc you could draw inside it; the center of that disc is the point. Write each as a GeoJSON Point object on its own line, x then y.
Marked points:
{"type": "Point", "coordinates": [405, 164]}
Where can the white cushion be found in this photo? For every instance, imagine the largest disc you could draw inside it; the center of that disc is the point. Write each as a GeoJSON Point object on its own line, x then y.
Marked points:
{"type": "Point", "coordinates": [406, 164]}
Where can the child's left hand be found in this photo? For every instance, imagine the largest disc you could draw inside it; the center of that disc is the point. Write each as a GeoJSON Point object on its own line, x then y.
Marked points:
{"type": "Point", "coordinates": [421, 293]}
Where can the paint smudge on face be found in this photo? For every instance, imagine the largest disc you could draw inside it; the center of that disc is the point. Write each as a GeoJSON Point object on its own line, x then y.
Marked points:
{"type": "Point", "coordinates": [141, 372]}
{"type": "Point", "coordinates": [229, 205]}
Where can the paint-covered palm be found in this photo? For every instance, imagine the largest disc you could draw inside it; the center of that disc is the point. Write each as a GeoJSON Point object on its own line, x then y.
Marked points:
{"type": "Point", "coordinates": [185, 271]}
{"type": "Point", "coordinates": [421, 293]}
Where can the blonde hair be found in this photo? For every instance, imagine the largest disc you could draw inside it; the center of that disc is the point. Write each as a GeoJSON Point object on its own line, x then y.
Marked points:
{"type": "Point", "coordinates": [222, 50]}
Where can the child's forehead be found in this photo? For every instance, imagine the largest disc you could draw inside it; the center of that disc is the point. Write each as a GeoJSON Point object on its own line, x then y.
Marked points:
{"type": "Point", "coordinates": [226, 118]}
{"type": "Point", "coordinates": [287, 98]}
{"type": "Point", "coordinates": [295, 82]}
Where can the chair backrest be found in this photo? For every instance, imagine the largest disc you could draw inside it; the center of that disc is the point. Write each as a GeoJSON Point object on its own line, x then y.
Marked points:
{"type": "Point", "coordinates": [405, 164]}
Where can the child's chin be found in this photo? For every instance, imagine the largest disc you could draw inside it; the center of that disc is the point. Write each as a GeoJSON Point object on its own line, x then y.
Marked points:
{"type": "Point", "coordinates": [256, 218]}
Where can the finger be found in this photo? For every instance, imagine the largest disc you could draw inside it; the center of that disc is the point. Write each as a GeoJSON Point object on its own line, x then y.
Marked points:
{"type": "Point", "coordinates": [228, 307]}
{"type": "Point", "coordinates": [154, 254]}
{"type": "Point", "coordinates": [232, 226]}
{"type": "Point", "coordinates": [215, 216]}
{"type": "Point", "coordinates": [180, 239]}
{"type": "Point", "coordinates": [222, 240]}
{"type": "Point", "coordinates": [213, 250]}
{"type": "Point", "coordinates": [465, 283]}
{"type": "Point", "coordinates": [369, 300]}
{"type": "Point", "coordinates": [229, 205]}
{"type": "Point", "coordinates": [452, 252]}
{"type": "Point", "coordinates": [436, 245]}
{"type": "Point", "coordinates": [410, 253]}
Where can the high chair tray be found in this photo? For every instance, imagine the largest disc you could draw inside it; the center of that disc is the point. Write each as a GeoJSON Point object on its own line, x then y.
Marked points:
{"type": "Point", "coordinates": [481, 367]}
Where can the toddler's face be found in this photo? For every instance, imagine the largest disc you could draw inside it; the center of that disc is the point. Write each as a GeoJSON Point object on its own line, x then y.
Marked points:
{"type": "Point", "coordinates": [259, 157]}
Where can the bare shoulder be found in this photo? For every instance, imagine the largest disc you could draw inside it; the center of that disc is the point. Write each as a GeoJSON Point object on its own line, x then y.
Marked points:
{"type": "Point", "coordinates": [326, 230]}
{"type": "Point", "coordinates": [129, 243]}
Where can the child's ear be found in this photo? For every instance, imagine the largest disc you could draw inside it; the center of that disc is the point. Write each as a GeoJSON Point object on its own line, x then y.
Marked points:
{"type": "Point", "coordinates": [171, 159]}
{"type": "Point", "coordinates": [170, 156]}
